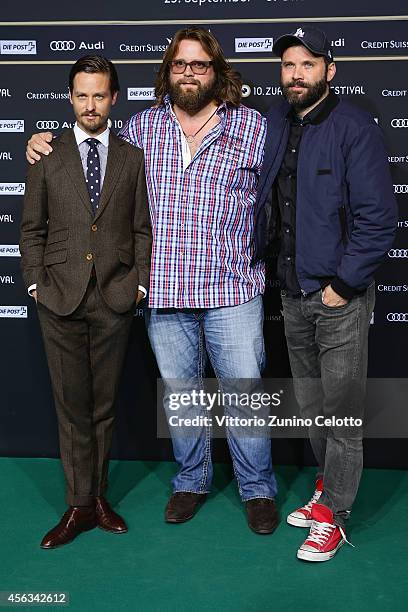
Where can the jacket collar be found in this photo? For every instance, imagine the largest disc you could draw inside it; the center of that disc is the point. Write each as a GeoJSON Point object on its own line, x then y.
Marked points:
{"type": "Point", "coordinates": [81, 136]}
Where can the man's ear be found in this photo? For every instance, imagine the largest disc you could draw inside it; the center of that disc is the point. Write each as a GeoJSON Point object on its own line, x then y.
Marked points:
{"type": "Point", "coordinates": [331, 71]}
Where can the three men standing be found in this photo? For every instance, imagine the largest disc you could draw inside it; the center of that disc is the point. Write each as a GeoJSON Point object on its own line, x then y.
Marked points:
{"type": "Point", "coordinates": [326, 196]}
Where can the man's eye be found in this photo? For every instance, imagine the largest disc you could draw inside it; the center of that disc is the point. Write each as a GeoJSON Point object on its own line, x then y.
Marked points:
{"type": "Point", "coordinates": [179, 63]}
{"type": "Point", "coordinates": [198, 64]}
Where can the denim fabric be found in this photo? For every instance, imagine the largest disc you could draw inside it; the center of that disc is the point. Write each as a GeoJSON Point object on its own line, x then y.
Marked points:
{"type": "Point", "coordinates": [328, 349]}
{"type": "Point", "coordinates": [232, 337]}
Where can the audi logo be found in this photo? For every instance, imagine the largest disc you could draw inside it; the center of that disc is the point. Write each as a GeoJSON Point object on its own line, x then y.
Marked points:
{"type": "Point", "coordinates": [399, 123]}
{"type": "Point", "coordinates": [401, 253]}
{"type": "Point", "coordinates": [47, 125]}
{"type": "Point", "coordinates": [400, 188]}
{"type": "Point", "coordinates": [402, 317]}
{"type": "Point", "coordinates": [62, 45]}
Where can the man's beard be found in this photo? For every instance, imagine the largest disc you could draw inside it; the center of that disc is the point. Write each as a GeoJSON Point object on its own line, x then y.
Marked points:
{"type": "Point", "coordinates": [194, 100]}
{"type": "Point", "coordinates": [304, 100]}
{"type": "Point", "coordinates": [91, 126]}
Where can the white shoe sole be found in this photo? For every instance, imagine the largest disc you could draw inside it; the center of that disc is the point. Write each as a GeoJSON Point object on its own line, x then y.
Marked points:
{"type": "Point", "coordinates": [298, 522]}
{"type": "Point", "coordinates": [307, 555]}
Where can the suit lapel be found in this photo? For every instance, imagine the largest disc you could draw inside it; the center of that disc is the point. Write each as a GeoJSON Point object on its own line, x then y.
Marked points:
{"type": "Point", "coordinates": [116, 159]}
{"type": "Point", "coordinates": [72, 161]}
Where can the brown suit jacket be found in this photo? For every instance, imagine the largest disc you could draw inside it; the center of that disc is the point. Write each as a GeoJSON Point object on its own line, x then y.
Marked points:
{"type": "Point", "coordinates": [61, 239]}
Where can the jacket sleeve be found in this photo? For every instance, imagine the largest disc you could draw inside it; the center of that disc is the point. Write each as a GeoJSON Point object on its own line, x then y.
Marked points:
{"type": "Point", "coordinates": [34, 224]}
{"type": "Point", "coordinates": [142, 227]}
{"type": "Point", "coordinates": [373, 209]}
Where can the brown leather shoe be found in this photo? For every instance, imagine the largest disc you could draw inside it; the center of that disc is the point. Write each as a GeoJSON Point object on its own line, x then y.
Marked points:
{"type": "Point", "coordinates": [182, 506]}
{"type": "Point", "coordinates": [262, 515]}
{"type": "Point", "coordinates": [75, 520]}
{"type": "Point", "coordinates": [107, 519]}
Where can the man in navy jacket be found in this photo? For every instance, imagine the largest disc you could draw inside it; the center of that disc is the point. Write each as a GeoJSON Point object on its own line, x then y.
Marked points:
{"type": "Point", "coordinates": [326, 205]}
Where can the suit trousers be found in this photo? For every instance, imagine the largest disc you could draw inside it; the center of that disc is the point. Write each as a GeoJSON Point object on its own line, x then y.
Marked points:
{"type": "Point", "coordinates": [85, 354]}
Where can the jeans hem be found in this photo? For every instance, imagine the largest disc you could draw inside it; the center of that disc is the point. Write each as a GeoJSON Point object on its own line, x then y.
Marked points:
{"type": "Point", "coordinates": [189, 491]}
{"type": "Point", "coordinates": [257, 497]}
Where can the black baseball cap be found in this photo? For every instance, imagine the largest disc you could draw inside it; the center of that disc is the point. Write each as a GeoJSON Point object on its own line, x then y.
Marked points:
{"type": "Point", "coordinates": [313, 39]}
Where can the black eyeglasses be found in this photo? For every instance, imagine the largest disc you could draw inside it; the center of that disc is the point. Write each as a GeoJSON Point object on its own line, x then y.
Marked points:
{"type": "Point", "coordinates": [198, 67]}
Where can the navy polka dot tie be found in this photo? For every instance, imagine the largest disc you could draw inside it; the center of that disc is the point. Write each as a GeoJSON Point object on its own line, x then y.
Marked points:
{"type": "Point", "coordinates": [93, 173]}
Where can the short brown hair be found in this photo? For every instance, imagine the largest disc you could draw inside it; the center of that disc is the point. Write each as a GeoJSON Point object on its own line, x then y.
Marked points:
{"type": "Point", "coordinates": [92, 64]}
{"type": "Point", "coordinates": [228, 83]}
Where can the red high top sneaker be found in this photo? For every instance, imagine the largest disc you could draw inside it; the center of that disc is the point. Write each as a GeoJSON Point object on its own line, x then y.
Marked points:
{"type": "Point", "coordinates": [302, 517]}
{"type": "Point", "coordinates": [325, 537]}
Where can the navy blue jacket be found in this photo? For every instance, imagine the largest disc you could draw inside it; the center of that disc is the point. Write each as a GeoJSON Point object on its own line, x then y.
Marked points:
{"type": "Point", "coordinates": [346, 213]}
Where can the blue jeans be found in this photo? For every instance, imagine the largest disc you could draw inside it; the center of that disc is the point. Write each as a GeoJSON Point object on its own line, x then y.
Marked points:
{"type": "Point", "coordinates": [232, 337]}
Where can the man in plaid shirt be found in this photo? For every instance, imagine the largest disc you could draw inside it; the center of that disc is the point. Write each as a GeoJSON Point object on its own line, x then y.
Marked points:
{"type": "Point", "coordinates": [203, 154]}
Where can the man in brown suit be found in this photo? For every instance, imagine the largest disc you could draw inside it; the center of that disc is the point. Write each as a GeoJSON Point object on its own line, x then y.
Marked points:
{"type": "Point", "coordinates": [85, 247]}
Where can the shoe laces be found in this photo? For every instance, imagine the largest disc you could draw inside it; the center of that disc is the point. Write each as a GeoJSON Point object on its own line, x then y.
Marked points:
{"type": "Point", "coordinates": [343, 535]}
{"type": "Point", "coordinates": [313, 500]}
{"type": "Point", "coordinates": [320, 532]}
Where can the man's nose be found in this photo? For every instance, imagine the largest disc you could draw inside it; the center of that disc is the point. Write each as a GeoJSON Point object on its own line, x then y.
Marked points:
{"type": "Point", "coordinates": [298, 73]}
{"type": "Point", "coordinates": [188, 71]}
{"type": "Point", "coordinates": [90, 104]}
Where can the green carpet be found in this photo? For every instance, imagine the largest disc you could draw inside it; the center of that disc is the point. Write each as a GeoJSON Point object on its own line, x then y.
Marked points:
{"type": "Point", "coordinates": [213, 562]}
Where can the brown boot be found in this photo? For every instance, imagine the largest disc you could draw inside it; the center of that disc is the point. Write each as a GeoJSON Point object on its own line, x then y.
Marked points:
{"type": "Point", "coordinates": [182, 506]}
{"type": "Point", "coordinates": [262, 515]}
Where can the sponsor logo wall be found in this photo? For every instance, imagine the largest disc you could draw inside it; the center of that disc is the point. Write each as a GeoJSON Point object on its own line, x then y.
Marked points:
{"type": "Point", "coordinates": [39, 96]}
{"type": "Point", "coordinates": [34, 97]}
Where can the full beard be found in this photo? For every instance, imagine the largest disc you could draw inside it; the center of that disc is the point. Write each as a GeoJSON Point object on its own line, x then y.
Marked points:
{"type": "Point", "coordinates": [301, 101]}
{"type": "Point", "coordinates": [192, 101]}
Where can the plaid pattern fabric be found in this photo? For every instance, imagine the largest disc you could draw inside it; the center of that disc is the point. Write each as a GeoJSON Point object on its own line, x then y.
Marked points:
{"type": "Point", "coordinates": [203, 216]}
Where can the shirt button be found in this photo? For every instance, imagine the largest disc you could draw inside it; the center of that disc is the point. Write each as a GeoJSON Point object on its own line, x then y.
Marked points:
{"type": "Point", "coordinates": [287, 231]}
{"type": "Point", "coordinates": [288, 258]}
{"type": "Point", "coordinates": [89, 257]}
{"type": "Point", "coordinates": [94, 228]}
{"type": "Point", "coordinates": [287, 203]}
{"type": "Point", "coordinates": [293, 150]}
